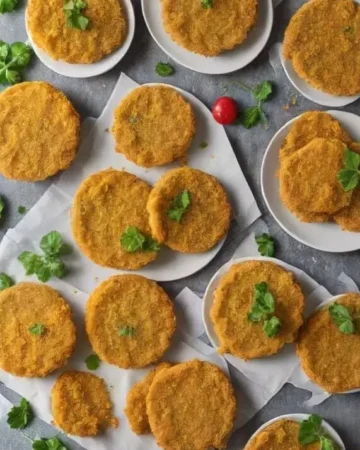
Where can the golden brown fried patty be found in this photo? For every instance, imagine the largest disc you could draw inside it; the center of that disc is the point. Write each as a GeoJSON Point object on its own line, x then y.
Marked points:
{"type": "Point", "coordinates": [81, 404]}
{"type": "Point", "coordinates": [209, 31]}
{"type": "Point", "coordinates": [308, 178]}
{"type": "Point", "coordinates": [153, 126]}
{"type": "Point", "coordinates": [349, 217]}
{"type": "Point", "coordinates": [207, 219]}
{"type": "Point", "coordinates": [105, 205]}
{"type": "Point", "coordinates": [280, 435]}
{"type": "Point", "coordinates": [39, 131]}
{"type": "Point", "coordinates": [130, 321]}
{"type": "Point", "coordinates": [24, 353]}
{"type": "Point", "coordinates": [323, 43]}
{"type": "Point", "coordinates": [233, 301]}
{"type": "Point", "coordinates": [135, 408]}
{"type": "Point", "coordinates": [48, 28]}
{"type": "Point", "coordinates": [191, 406]}
{"type": "Point", "coordinates": [330, 358]}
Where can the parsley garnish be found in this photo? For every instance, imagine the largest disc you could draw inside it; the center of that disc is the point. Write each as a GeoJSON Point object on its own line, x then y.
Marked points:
{"type": "Point", "coordinates": [20, 416]}
{"type": "Point", "coordinates": [21, 210]}
{"type": "Point", "coordinates": [311, 431]}
{"type": "Point", "coordinates": [263, 308]}
{"type": "Point", "coordinates": [342, 318]}
{"type": "Point", "coordinates": [49, 264]}
{"type": "Point", "coordinates": [7, 6]}
{"type": "Point", "coordinates": [92, 362]}
{"type": "Point", "coordinates": [53, 443]}
{"type": "Point", "coordinates": [2, 207]}
{"type": "Point", "coordinates": [13, 58]}
{"type": "Point", "coordinates": [127, 330]}
{"type": "Point", "coordinates": [132, 240]}
{"type": "Point", "coordinates": [253, 115]}
{"type": "Point", "coordinates": [37, 329]}
{"type": "Point", "coordinates": [164, 69]}
{"type": "Point", "coordinates": [349, 176]}
{"type": "Point", "coordinates": [203, 144]}
{"type": "Point", "coordinates": [74, 17]}
{"type": "Point", "coordinates": [5, 281]}
{"type": "Point", "coordinates": [266, 245]}
{"type": "Point", "coordinates": [206, 4]}
{"type": "Point", "coordinates": [179, 206]}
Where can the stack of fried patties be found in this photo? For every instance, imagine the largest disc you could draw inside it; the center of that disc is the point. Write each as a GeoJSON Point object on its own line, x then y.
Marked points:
{"type": "Point", "coordinates": [311, 157]}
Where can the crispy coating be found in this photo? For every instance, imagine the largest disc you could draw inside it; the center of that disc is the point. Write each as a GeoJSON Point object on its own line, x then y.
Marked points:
{"type": "Point", "coordinates": [81, 405]}
{"type": "Point", "coordinates": [330, 358]}
{"type": "Point", "coordinates": [130, 301]}
{"type": "Point", "coordinates": [280, 435]}
{"type": "Point", "coordinates": [209, 31]}
{"type": "Point", "coordinates": [323, 43]}
{"type": "Point", "coordinates": [234, 298]}
{"type": "Point", "coordinates": [153, 126]}
{"type": "Point", "coordinates": [308, 178]}
{"type": "Point", "coordinates": [135, 408]}
{"type": "Point", "coordinates": [27, 355]}
{"type": "Point", "coordinates": [206, 221]}
{"type": "Point", "coordinates": [191, 406]}
{"type": "Point", "coordinates": [48, 29]}
{"type": "Point", "coordinates": [105, 205]}
{"type": "Point", "coordinates": [39, 131]}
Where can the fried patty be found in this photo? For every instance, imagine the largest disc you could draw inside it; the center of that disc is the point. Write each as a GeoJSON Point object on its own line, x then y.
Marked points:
{"type": "Point", "coordinates": [23, 352]}
{"type": "Point", "coordinates": [233, 300]}
{"type": "Point", "coordinates": [39, 131]}
{"type": "Point", "coordinates": [329, 357]}
{"type": "Point", "coordinates": [323, 43]}
{"type": "Point", "coordinates": [48, 28]}
{"type": "Point", "coordinates": [207, 219]}
{"type": "Point", "coordinates": [105, 205]}
{"type": "Point", "coordinates": [81, 405]}
{"type": "Point", "coordinates": [280, 435]}
{"type": "Point", "coordinates": [130, 321]}
{"type": "Point", "coordinates": [153, 126]}
{"type": "Point", "coordinates": [191, 406]}
{"type": "Point", "coordinates": [209, 31]}
{"type": "Point", "coordinates": [308, 178]}
{"type": "Point", "coordinates": [135, 408]}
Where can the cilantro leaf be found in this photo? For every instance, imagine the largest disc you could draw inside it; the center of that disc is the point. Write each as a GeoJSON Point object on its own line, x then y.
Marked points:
{"type": "Point", "coordinates": [7, 6]}
{"type": "Point", "coordinates": [20, 416]}
{"type": "Point", "coordinates": [52, 244]}
{"type": "Point", "coordinates": [30, 261]}
{"type": "Point", "coordinates": [132, 240]}
{"type": "Point", "coordinates": [92, 362]}
{"type": "Point", "coordinates": [206, 4]}
{"type": "Point", "coordinates": [326, 443]}
{"type": "Point", "coordinates": [37, 329]}
{"type": "Point", "coordinates": [13, 58]}
{"type": "Point", "coordinates": [250, 117]}
{"type": "Point", "coordinates": [164, 69]}
{"type": "Point", "coordinates": [21, 209]}
{"type": "Point", "coordinates": [349, 176]}
{"type": "Point", "coordinates": [2, 207]}
{"type": "Point", "coordinates": [263, 308]}
{"type": "Point", "coordinates": [272, 326]}
{"type": "Point", "coordinates": [310, 429]}
{"type": "Point", "coordinates": [179, 206]}
{"type": "Point", "coordinates": [342, 318]}
{"type": "Point", "coordinates": [53, 443]}
{"type": "Point", "coordinates": [5, 281]}
{"type": "Point", "coordinates": [4, 51]}
{"type": "Point", "coordinates": [127, 330]}
{"type": "Point", "coordinates": [204, 144]}
{"type": "Point", "coordinates": [266, 245]}
{"type": "Point", "coordinates": [74, 17]}
{"type": "Point", "coordinates": [22, 53]}
{"type": "Point", "coordinates": [262, 91]}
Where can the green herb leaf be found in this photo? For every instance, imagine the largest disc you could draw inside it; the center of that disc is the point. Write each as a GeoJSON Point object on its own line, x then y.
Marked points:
{"type": "Point", "coordinates": [127, 330]}
{"type": "Point", "coordinates": [262, 91]}
{"type": "Point", "coordinates": [2, 207]}
{"type": "Point", "coordinates": [349, 176]}
{"type": "Point", "coordinates": [342, 318]}
{"type": "Point", "coordinates": [37, 329]}
{"type": "Point", "coordinates": [74, 16]}
{"type": "Point", "coordinates": [13, 58]}
{"type": "Point", "coordinates": [21, 209]}
{"type": "Point", "coordinates": [4, 51]}
{"type": "Point", "coordinates": [326, 443]}
{"type": "Point", "coordinates": [179, 206]}
{"type": "Point", "coordinates": [263, 308]}
{"type": "Point", "coordinates": [49, 444]}
{"type": "Point", "coordinates": [92, 362]}
{"type": "Point", "coordinates": [164, 69]}
{"type": "Point", "coordinates": [13, 76]}
{"type": "Point", "coordinates": [250, 117]}
{"type": "Point", "coordinates": [7, 6]}
{"type": "Point", "coordinates": [203, 144]}
{"type": "Point", "coordinates": [272, 326]}
{"type": "Point", "coordinates": [30, 261]}
{"type": "Point", "coordinates": [132, 240]}
{"type": "Point", "coordinates": [310, 430]}
{"type": "Point", "coordinates": [21, 53]}
{"type": "Point", "coordinates": [206, 4]}
{"type": "Point", "coordinates": [266, 245]}
{"type": "Point", "coordinates": [52, 244]}
{"type": "Point", "coordinates": [5, 281]}
{"type": "Point", "coordinates": [20, 416]}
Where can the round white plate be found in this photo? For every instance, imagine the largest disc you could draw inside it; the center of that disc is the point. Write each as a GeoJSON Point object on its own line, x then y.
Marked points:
{"type": "Point", "coordinates": [327, 237]}
{"type": "Point", "coordinates": [94, 69]}
{"type": "Point", "coordinates": [299, 418]}
{"type": "Point", "coordinates": [226, 62]}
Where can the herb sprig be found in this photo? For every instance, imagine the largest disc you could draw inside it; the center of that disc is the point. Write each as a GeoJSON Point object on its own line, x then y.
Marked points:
{"type": "Point", "coordinates": [13, 59]}
{"type": "Point", "coordinates": [342, 318]}
{"type": "Point", "coordinates": [49, 264]}
{"type": "Point", "coordinates": [266, 244]}
{"type": "Point", "coordinates": [263, 309]}
{"type": "Point", "coordinates": [5, 281]}
{"type": "Point", "coordinates": [349, 176]}
{"type": "Point", "coordinates": [133, 240]}
{"type": "Point", "coordinates": [20, 416]}
{"type": "Point", "coordinates": [312, 431]}
{"type": "Point", "coordinates": [53, 443]}
{"type": "Point", "coordinates": [74, 16]}
{"type": "Point", "coordinates": [7, 6]}
{"type": "Point", "coordinates": [164, 69]}
{"type": "Point", "coordinates": [179, 206]}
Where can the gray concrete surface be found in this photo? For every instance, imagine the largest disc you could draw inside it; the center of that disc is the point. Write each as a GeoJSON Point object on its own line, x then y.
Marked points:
{"type": "Point", "coordinates": [90, 96]}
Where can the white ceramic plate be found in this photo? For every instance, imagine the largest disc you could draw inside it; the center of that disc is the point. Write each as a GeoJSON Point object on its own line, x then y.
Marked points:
{"type": "Point", "coordinates": [299, 418]}
{"type": "Point", "coordinates": [94, 69]}
{"type": "Point", "coordinates": [226, 62]}
{"type": "Point", "coordinates": [327, 237]}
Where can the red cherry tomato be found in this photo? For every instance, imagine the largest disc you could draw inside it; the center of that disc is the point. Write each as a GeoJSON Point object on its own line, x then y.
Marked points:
{"type": "Point", "coordinates": [224, 110]}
